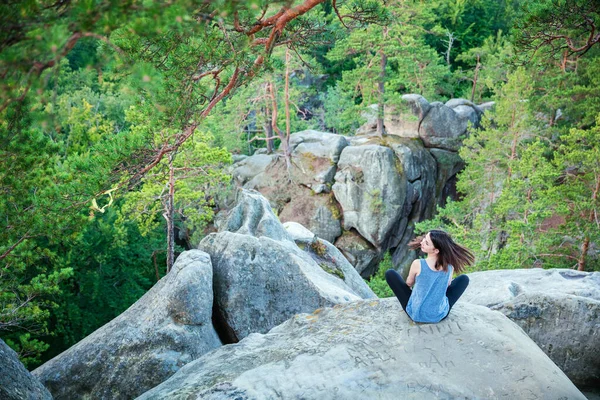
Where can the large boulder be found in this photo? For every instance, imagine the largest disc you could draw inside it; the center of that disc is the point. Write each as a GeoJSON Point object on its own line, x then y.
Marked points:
{"type": "Point", "coordinates": [320, 213]}
{"type": "Point", "coordinates": [16, 383]}
{"type": "Point", "coordinates": [449, 164]}
{"type": "Point", "coordinates": [262, 278]}
{"type": "Point", "coordinates": [314, 158]}
{"type": "Point", "coordinates": [398, 120]}
{"type": "Point", "coordinates": [441, 125]}
{"type": "Point", "coordinates": [249, 167]}
{"type": "Point", "coordinates": [371, 350]}
{"type": "Point", "coordinates": [558, 309]}
{"type": "Point", "coordinates": [361, 254]}
{"type": "Point", "coordinates": [329, 258]}
{"type": "Point", "coordinates": [371, 188]}
{"type": "Point", "coordinates": [167, 328]}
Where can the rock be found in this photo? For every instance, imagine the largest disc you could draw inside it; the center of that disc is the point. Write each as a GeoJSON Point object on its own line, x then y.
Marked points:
{"type": "Point", "coordinates": [371, 188]}
{"type": "Point", "coordinates": [558, 308]}
{"type": "Point", "coordinates": [261, 277]}
{"type": "Point", "coordinates": [319, 213]}
{"type": "Point", "coordinates": [16, 383]}
{"type": "Point", "coordinates": [398, 121]}
{"type": "Point", "coordinates": [329, 258]}
{"type": "Point", "coordinates": [466, 110]}
{"type": "Point", "coordinates": [419, 105]}
{"type": "Point", "coordinates": [298, 231]}
{"type": "Point", "coordinates": [449, 164]}
{"type": "Point", "coordinates": [253, 216]}
{"type": "Point", "coordinates": [361, 254]}
{"type": "Point", "coordinates": [487, 106]}
{"type": "Point", "coordinates": [443, 128]}
{"type": "Point", "coordinates": [314, 158]}
{"type": "Point", "coordinates": [274, 184]}
{"type": "Point", "coordinates": [416, 159]}
{"type": "Point", "coordinates": [443, 125]}
{"type": "Point", "coordinates": [164, 330]}
{"type": "Point", "coordinates": [371, 350]}
{"type": "Point", "coordinates": [370, 125]}
{"type": "Point", "coordinates": [249, 167]}
{"type": "Point", "coordinates": [421, 170]}
{"type": "Point", "coordinates": [238, 157]}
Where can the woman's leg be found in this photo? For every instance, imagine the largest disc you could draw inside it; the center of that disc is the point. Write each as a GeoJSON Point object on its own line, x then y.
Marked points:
{"type": "Point", "coordinates": [456, 289]}
{"type": "Point", "coordinates": [398, 286]}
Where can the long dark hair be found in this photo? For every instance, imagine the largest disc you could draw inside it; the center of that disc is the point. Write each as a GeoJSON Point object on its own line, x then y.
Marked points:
{"type": "Point", "coordinates": [450, 252]}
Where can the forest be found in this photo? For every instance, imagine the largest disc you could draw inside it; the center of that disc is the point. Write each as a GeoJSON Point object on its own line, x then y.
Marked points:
{"type": "Point", "coordinates": [118, 121]}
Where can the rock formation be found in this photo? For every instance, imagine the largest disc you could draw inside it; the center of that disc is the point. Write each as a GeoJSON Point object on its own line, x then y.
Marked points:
{"type": "Point", "coordinates": [371, 350]}
{"type": "Point", "coordinates": [262, 278]}
{"type": "Point", "coordinates": [558, 309]}
{"type": "Point", "coordinates": [164, 330]}
{"type": "Point", "coordinates": [380, 186]}
{"type": "Point", "coordinates": [16, 383]}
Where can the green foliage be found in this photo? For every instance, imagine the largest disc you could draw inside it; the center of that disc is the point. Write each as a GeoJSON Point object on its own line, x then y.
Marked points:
{"type": "Point", "coordinates": [59, 150]}
{"type": "Point", "coordinates": [527, 200]}
{"type": "Point", "coordinates": [199, 177]}
{"type": "Point", "coordinates": [377, 283]}
{"type": "Point", "coordinates": [375, 201]}
{"type": "Point", "coordinates": [91, 92]}
{"type": "Point", "coordinates": [318, 247]}
{"type": "Point", "coordinates": [332, 271]}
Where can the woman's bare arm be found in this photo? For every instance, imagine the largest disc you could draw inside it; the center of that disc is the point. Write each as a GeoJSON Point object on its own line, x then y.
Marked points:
{"type": "Point", "coordinates": [415, 270]}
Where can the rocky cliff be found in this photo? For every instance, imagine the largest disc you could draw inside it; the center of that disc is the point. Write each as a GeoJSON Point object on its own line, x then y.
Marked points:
{"type": "Point", "coordinates": [365, 193]}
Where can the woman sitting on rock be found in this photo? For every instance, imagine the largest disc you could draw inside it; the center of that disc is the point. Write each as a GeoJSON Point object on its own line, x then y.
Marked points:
{"type": "Point", "coordinates": [433, 291]}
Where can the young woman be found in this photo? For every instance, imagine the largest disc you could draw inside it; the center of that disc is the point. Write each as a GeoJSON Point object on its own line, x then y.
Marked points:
{"type": "Point", "coordinates": [433, 290]}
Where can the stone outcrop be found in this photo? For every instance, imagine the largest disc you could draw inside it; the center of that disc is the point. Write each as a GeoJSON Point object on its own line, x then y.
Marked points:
{"type": "Point", "coordinates": [321, 214]}
{"type": "Point", "coordinates": [558, 309]}
{"type": "Point", "coordinates": [329, 258]}
{"type": "Point", "coordinates": [371, 350]}
{"type": "Point", "coordinates": [443, 125]}
{"type": "Point", "coordinates": [16, 383]}
{"type": "Point", "coordinates": [361, 254]}
{"type": "Point", "coordinates": [262, 278]}
{"type": "Point", "coordinates": [371, 189]}
{"type": "Point", "coordinates": [249, 167]}
{"type": "Point", "coordinates": [164, 330]}
{"type": "Point", "coordinates": [314, 158]}
{"type": "Point", "coordinates": [381, 186]}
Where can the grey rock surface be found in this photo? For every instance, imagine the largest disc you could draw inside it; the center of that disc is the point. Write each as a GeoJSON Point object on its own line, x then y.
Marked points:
{"type": "Point", "coordinates": [443, 125]}
{"type": "Point", "coordinates": [443, 128]}
{"type": "Point", "coordinates": [16, 383]}
{"type": "Point", "coordinates": [314, 158]}
{"type": "Point", "coordinates": [559, 309]}
{"type": "Point", "coordinates": [400, 121]}
{"type": "Point", "coordinates": [371, 189]}
{"type": "Point", "coordinates": [361, 254]}
{"type": "Point", "coordinates": [253, 216]}
{"type": "Point", "coordinates": [261, 277]}
{"type": "Point", "coordinates": [489, 106]}
{"type": "Point", "coordinates": [371, 350]}
{"type": "Point", "coordinates": [249, 167]}
{"type": "Point", "coordinates": [318, 212]}
{"type": "Point", "coordinates": [449, 164]}
{"type": "Point", "coordinates": [167, 328]}
{"type": "Point", "coordinates": [418, 104]}
{"type": "Point", "coordinates": [329, 258]}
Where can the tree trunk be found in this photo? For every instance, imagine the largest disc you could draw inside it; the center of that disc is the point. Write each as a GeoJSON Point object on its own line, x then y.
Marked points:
{"type": "Point", "coordinates": [170, 215]}
{"type": "Point", "coordinates": [286, 147]}
{"type": "Point", "coordinates": [381, 90]}
{"type": "Point", "coordinates": [586, 241]}
{"type": "Point", "coordinates": [475, 79]}
{"type": "Point", "coordinates": [584, 249]}
{"type": "Point", "coordinates": [268, 131]}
